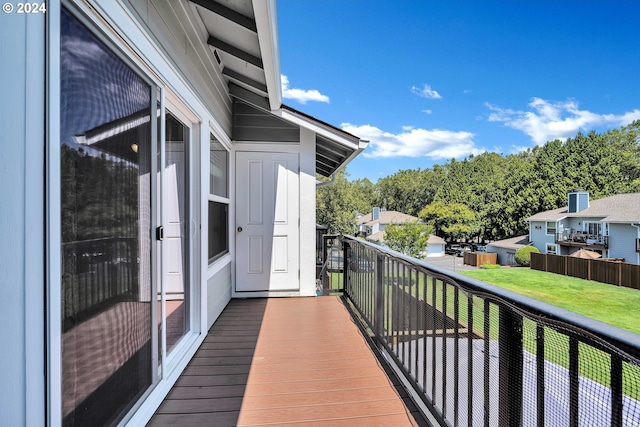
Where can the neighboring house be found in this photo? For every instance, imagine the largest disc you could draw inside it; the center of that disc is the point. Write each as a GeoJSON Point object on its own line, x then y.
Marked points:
{"type": "Point", "coordinates": [436, 246]}
{"type": "Point", "coordinates": [371, 226]}
{"type": "Point", "coordinates": [506, 249]}
{"type": "Point", "coordinates": [375, 222]}
{"type": "Point", "coordinates": [155, 174]}
{"type": "Point", "coordinates": [610, 226]}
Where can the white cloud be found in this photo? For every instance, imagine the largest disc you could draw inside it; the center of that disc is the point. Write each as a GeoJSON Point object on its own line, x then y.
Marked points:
{"type": "Point", "coordinates": [415, 142]}
{"type": "Point", "coordinates": [427, 111]}
{"type": "Point", "coordinates": [301, 95]}
{"type": "Point", "coordinates": [549, 120]}
{"type": "Point", "coordinates": [426, 92]}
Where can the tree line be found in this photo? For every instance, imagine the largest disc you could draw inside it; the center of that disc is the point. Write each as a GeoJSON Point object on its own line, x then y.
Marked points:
{"type": "Point", "coordinates": [490, 196]}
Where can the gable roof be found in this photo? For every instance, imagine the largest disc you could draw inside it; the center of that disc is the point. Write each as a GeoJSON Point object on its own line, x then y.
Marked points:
{"type": "Point", "coordinates": [511, 243]}
{"type": "Point", "coordinates": [621, 208]}
{"type": "Point", "coordinates": [387, 217]}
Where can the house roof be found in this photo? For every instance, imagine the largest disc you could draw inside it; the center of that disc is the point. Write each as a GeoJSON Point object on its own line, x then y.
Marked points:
{"type": "Point", "coordinates": [376, 237]}
{"type": "Point", "coordinates": [387, 217]}
{"type": "Point", "coordinates": [511, 243]}
{"type": "Point", "coordinates": [436, 240]}
{"type": "Point", "coordinates": [624, 208]}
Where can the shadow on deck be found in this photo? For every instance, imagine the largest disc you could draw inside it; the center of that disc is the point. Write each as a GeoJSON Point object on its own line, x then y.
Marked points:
{"type": "Point", "coordinates": [287, 361]}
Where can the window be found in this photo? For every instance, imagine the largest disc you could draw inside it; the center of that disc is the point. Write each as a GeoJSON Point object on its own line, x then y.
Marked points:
{"type": "Point", "coordinates": [552, 249]}
{"type": "Point", "coordinates": [218, 200]}
{"type": "Point", "coordinates": [593, 228]}
{"type": "Point", "coordinates": [105, 163]}
{"type": "Point", "coordinates": [551, 228]}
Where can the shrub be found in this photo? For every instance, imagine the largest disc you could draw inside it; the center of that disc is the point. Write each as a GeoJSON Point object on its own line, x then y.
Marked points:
{"type": "Point", "coordinates": [489, 266]}
{"type": "Point", "coordinates": [523, 255]}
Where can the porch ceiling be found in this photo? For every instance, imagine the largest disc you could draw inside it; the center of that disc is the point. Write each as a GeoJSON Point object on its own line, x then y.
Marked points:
{"type": "Point", "coordinates": [234, 42]}
{"type": "Point", "coordinates": [243, 41]}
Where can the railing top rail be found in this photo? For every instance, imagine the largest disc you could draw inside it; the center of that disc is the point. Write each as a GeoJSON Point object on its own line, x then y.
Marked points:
{"type": "Point", "coordinates": [626, 341]}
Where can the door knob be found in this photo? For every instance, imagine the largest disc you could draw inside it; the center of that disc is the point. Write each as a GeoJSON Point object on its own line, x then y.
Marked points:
{"type": "Point", "coordinates": [239, 229]}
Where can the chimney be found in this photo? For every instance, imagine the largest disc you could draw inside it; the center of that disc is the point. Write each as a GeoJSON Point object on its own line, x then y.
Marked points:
{"type": "Point", "coordinates": [375, 214]}
{"type": "Point", "coordinates": [578, 201]}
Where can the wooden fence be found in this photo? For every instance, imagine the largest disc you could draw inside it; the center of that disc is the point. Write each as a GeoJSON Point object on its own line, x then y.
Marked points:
{"type": "Point", "coordinates": [598, 270]}
{"type": "Point", "coordinates": [479, 258]}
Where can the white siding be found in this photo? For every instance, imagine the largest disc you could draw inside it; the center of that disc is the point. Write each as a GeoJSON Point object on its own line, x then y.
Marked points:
{"type": "Point", "coordinates": [22, 277]}
{"type": "Point", "coordinates": [193, 62]}
{"type": "Point", "coordinates": [307, 212]}
{"type": "Point", "coordinates": [218, 293]}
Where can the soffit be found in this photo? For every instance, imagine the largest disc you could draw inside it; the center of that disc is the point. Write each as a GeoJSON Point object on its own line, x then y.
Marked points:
{"type": "Point", "coordinates": [232, 37]}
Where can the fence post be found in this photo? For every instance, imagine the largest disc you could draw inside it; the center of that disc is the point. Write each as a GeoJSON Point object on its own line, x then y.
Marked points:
{"type": "Point", "coordinates": [379, 316]}
{"type": "Point", "coordinates": [510, 360]}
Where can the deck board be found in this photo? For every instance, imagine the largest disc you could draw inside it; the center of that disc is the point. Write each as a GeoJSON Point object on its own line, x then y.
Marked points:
{"type": "Point", "coordinates": [286, 361]}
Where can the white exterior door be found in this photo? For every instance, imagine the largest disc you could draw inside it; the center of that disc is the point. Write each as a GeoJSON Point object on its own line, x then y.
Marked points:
{"type": "Point", "coordinates": [267, 222]}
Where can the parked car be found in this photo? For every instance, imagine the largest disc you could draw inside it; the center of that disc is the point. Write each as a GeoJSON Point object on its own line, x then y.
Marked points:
{"type": "Point", "coordinates": [460, 252]}
{"type": "Point", "coordinates": [452, 248]}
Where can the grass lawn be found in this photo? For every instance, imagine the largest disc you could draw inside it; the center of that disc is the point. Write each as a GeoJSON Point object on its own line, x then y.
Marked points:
{"type": "Point", "coordinates": [610, 304]}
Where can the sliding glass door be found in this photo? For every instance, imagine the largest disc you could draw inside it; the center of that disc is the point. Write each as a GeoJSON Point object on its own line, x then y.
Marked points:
{"type": "Point", "coordinates": [125, 240]}
{"type": "Point", "coordinates": [106, 218]}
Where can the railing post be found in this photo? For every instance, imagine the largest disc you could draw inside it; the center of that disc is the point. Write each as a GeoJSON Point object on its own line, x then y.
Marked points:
{"type": "Point", "coordinates": [379, 315]}
{"type": "Point", "coordinates": [510, 368]}
{"type": "Point", "coordinates": [345, 265]}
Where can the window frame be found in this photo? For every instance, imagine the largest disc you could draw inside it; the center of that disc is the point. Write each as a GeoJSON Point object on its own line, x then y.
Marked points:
{"type": "Point", "coordinates": [555, 228]}
{"type": "Point", "coordinates": [215, 198]}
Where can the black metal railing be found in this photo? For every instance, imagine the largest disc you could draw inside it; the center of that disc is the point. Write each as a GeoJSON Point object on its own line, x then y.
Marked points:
{"type": "Point", "coordinates": [479, 355]}
{"type": "Point", "coordinates": [582, 238]}
{"type": "Point", "coordinates": [96, 274]}
{"type": "Point", "coordinates": [330, 278]}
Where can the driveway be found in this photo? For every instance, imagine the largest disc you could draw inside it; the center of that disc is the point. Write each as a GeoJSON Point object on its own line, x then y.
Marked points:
{"type": "Point", "coordinates": [449, 262]}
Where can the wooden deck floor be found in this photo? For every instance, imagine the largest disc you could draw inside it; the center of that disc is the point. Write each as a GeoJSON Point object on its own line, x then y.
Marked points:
{"type": "Point", "coordinates": [286, 361]}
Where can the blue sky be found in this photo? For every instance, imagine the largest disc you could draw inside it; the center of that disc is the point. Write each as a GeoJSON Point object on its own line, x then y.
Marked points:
{"type": "Point", "coordinates": [426, 81]}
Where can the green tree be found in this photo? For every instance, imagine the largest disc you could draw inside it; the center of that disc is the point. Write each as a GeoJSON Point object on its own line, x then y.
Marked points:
{"type": "Point", "coordinates": [409, 238]}
{"type": "Point", "coordinates": [409, 190]}
{"type": "Point", "coordinates": [337, 204]}
{"type": "Point", "coordinates": [450, 221]}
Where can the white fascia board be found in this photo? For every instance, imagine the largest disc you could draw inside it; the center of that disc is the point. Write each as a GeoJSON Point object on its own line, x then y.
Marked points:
{"type": "Point", "coordinates": [327, 133]}
{"type": "Point", "coordinates": [267, 24]}
{"type": "Point", "coordinates": [361, 146]}
{"type": "Point", "coordinates": [321, 130]}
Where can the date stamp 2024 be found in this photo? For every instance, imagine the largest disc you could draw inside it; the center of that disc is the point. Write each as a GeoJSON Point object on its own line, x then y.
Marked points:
{"type": "Point", "coordinates": [25, 8]}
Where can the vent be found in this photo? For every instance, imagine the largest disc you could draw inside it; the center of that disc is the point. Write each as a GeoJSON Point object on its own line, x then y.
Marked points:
{"type": "Point", "coordinates": [375, 214]}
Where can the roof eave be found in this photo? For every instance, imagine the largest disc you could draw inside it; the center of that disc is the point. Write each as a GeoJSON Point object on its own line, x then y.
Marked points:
{"type": "Point", "coordinates": [267, 25]}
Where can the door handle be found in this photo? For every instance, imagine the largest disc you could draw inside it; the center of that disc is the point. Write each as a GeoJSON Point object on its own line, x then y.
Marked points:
{"type": "Point", "coordinates": [239, 229]}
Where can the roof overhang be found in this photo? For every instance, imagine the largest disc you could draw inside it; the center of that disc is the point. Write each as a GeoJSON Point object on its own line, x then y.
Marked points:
{"type": "Point", "coordinates": [335, 148]}
{"type": "Point", "coordinates": [243, 38]}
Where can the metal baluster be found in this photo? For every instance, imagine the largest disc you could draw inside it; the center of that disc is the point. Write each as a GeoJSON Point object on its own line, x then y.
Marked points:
{"type": "Point", "coordinates": [573, 381]}
{"type": "Point", "coordinates": [540, 382]}
{"type": "Point", "coordinates": [616, 391]}
{"type": "Point", "coordinates": [487, 332]}
{"type": "Point", "coordinates": [456, 354]}
{"type": "Point", "coordinates": [470, 363]}
{"type": "Point", "coordinates": [444, 349]}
